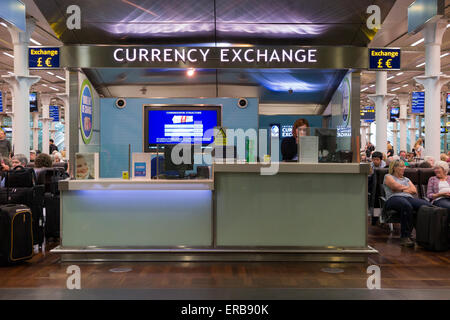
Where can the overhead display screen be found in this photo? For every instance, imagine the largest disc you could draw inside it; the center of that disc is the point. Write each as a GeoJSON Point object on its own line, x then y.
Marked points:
{"type": "Point", "coordinates": [172, 125]}
{"type": "Point", "coordinates": [447, 109]}
{"type": "Point", "coordinates": [394, 114]}
{"type": "Point", "coordinates": [33, 102]}
{"type": "Point", "coordinates": [368, 114]}
{"type": "Point", "coordinates": [418, 102]}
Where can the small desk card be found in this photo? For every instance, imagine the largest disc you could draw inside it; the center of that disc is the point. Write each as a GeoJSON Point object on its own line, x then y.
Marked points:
{"type": "Point", "coordinates": [308, 149]}
{"type": "Point", "coordinates": [141, 166]}
{"type": "Point", "coordinates": [87, 166]}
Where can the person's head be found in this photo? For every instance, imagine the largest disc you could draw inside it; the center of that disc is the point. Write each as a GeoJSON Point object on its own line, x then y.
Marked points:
{"type": "Point", "coordinates": [302, 125]}
{"type": "Point", "coordinates": [82, 169]}
{"type": "Point", "coordinates": [32, 155]}
{"type": "Point", "coordinates": [397, 167]}
{"type": "Point", "coordinates": [444, 157]}
{"type": "Point", "coordinates": [57, 157]}
{"type": "Point", "coordinates": [19, 160]}
{"type": "Point", "coordinates": [418, 142]}
{"type": "Point", "coordinates": [430, 160]}
{"type": "Point", "coordinates": [377, 157]}
{"type": "Point", "coordinates": [402, 154]}
{"type": "Point", "coordinates": [51, 141]}
{"type": "Point", "coordinates": [441, 169]}
{"type": "Point", "coordinates": [43, 160]}
{"type": "Point", "coordinates": [2, 134]}
{"type": "Point", "coordinates": [363, 157]}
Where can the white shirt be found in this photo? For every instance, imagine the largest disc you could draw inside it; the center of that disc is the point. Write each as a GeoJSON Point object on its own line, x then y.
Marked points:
{"type": "Point", "coordinates": [443, 187]}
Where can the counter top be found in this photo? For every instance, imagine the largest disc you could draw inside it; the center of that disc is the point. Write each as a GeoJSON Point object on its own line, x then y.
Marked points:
{"type": "Point", "coordinates": [295, 167]}
{"type": "Point", "coordinates": [121, 184]}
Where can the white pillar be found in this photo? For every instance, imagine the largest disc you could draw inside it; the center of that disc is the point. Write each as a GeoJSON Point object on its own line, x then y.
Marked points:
{"type": "Point", "coordinates": [364, 127]}
{"type": "Point", "coordinates": [403, 119]}
{"type": "Point", "coordinates": [65, 98]}
{"type": "Point", "coordinates": [412, 131]}
{"type": "Point", "coordinates": [35, 130]}
{"type": "Point", "coordinates": [52, 130]}
{"type": "Point", "coordinates": [395, 137]}
{"type": "Point", "coordinates": [20, 83]}
{"type": "Point", "coordinates": [46, 120]}
{"type": "Point", "coordinates": [433, 81]}
{"type": "Point", "coordinates": [381, 99]}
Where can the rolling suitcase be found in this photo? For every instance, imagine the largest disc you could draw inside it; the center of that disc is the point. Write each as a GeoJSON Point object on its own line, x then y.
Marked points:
{"type": "Point", "coordinates": [432, 228]}
{"type": "Point", "coordinates": [16, 233]}
{"type": "Point", "coordinates": [20, 177]}
{"type": "Point", "coordinates": [52, 215]}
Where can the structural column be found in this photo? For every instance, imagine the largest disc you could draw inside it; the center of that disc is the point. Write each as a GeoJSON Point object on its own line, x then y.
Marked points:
{"type": "Point", "coordinates": [433, 81]}
{"type": "Point", "coordinates": [364, 127]}
{"type": "Point", "coordinates": [65, 98]}
{"type": "Point", "coordinates": [412, 131]}
{"type": "Point", "coordinates": [20, 83]}
{"type": "Point", "coordinates": [403, 119]}
{"type": "Point", "coordinates": [381, 99]}
{"type": "Point", "coordinates": [395, 137]}
{"type": "Point", "coordinates": [46, 120]}
{"type": "Point", "coordinates": [35, 130]}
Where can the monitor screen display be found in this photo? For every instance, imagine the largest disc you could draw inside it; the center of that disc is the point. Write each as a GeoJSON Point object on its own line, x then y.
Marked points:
{"type": "Point", "coordinates": [1, 102]}
{"type": "Point", "coordinates": [368, 114]}
{"type": "Point", "coordinates": [187, 124]}
{"type": "Point", "coordinates": [418, 102]}
{"type": "Point", "coordinates": [395, 112]}
{"type": "Point", "coordinates": [33, 102]}
{"type": "Point", "coordinates": [448, 103]}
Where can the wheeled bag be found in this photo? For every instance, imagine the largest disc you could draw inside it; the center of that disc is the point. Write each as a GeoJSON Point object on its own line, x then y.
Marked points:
{"type": "Point", "coordinates": [20, 177]}
{"type": "Point", "coordinates": [52, 215]}
{"type": "Point", "coordinates": [16, 233]}
{"type": "Point", "coordinates": [432, 229]}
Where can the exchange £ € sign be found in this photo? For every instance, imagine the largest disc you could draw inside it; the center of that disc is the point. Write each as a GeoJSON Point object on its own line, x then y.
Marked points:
{"type": "Point", "coordinates": [384, 59]}
{"type": "Point", "coordinates": [43, 58]}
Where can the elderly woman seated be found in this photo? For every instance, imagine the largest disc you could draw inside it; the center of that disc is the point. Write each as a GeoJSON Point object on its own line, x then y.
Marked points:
{"type": "Point", "coordinates": [400, 193]}
{"type": "Point", "coordinates": [438, 189]}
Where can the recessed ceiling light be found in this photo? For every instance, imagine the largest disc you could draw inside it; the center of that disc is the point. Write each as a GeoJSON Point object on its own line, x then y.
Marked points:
{"type": "Point", "coordinates": [190, 72]}
{"type": "Point", "coordinates": [45, 85]}
{"type": "Point", "coordinates": [372, 86]}
{"type": "Point", "coordinates": [61, 78]}
{"type": "Point", "coordinates": [395, 89]}
{"type": "Point", "coordinates": [54, 89]}
{"type": "Point", "coordinates": [9, 55]}
{"type": "Point", "coordinates": [420, 65]}
{"type": "Point", "coordinates": [391, 78]}
{"type": "Point", "coordinates": [399, 74]}
{"type": "Point", "coordinates": [418, 42]}
{"type": "Point", "coordinates": [35, 42]}
{"type": "Point", "coordinates": [445, 54]}
{"type": "Point", "coordinates": [364, 89]}
{"type": "Point", "coordinates": [4, 24]}
{"type": "Point", "coordinates": [50, 73]}
{"type": "Point", "coordinates": [405, 85]}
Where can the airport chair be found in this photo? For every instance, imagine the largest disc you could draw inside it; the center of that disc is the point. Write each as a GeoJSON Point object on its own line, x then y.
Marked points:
{"type": "Point", "coordinates": [424, 175]}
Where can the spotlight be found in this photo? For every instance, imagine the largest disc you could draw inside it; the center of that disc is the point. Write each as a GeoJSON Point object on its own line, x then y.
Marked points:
{"type": "Point", "coordinates": [190, 72]}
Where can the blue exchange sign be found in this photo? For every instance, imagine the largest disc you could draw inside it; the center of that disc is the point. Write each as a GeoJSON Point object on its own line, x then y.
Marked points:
{"type": "Point", "coordinates": [43, 58]}
{"type": "Point", "coordinates": [384, 59]}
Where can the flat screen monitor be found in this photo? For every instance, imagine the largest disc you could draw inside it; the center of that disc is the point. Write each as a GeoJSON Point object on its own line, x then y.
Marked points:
{"type": "Point", "coordinates": [418, 102]}
{"type": "Point", "coordinates": [394, 114]}
{"type": "Point", "coordinates": [368, 114]}
{"type": "Point", "coordinates": [182, 167]}
{"type": "Point", "coordinates": [169, 125]}
{"type": "Point", "coordinates": [33, 102]}
{"type": "Point", "coordinates": [1, 102]}
{"type": "Point", "coordinates": [448, 103]}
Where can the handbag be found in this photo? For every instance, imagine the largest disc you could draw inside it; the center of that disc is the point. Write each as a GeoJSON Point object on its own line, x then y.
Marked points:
{"type": "Point", "coordinates": [20, 177]}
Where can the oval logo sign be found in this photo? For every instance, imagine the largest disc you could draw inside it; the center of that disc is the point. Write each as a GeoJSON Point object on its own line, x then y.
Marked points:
{"type": "Point", "coordinates": [86, 111]}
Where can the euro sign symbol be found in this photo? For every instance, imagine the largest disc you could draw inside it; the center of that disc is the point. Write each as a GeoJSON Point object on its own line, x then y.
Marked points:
{"type": "Point", "coordinates": [388, 63]}
{"type": "Point", "coordinates": [39, 62]}
{"type": "Point", "coordinates": [380, 63]}
{"type": "Point", "coordinates": [48, 62]}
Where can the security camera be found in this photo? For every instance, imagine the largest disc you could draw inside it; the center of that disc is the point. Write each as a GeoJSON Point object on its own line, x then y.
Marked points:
{"type": "Point", "coordinates": [121, 103]}
{"type": "Point", "coordinates": [242, 103]}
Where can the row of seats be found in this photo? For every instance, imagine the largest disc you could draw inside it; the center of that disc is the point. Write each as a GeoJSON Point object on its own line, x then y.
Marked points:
{"type": "Point", "coordinates": [55, 165]}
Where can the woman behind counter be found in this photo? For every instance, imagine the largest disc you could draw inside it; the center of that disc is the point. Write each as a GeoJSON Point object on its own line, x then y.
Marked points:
{"type": "Point", "coordinates": [289, 144]}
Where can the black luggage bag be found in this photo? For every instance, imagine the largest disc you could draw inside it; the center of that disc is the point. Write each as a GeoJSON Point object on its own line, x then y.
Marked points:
{"type": "Point", "coordinates": [20, 177]}
{"type": "Point", "coordinates": [16, 233]}
{"type": "Point", "coordinates": [32, 197]}
{"type": "Point", "coordinates": [52, 215]}
{"type": "Point", "coordinates": [432, 229]}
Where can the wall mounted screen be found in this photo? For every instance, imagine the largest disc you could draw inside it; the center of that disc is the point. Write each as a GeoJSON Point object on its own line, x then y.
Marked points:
{"type": "Point", "coordinates": [33, 102]}
{"type": "Point", "coordinates": [166, 125]}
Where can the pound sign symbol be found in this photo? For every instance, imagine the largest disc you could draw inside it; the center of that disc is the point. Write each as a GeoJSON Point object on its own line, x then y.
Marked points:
{"type": "Point", "coordinates": [39, 62]}
{"type": "Point", "coordinates": [380, 63]}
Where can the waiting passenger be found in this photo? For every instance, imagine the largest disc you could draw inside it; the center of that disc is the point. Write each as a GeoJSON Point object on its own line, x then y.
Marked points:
{"type": "Point", "coordinates": [19, 160]}
{"type": "Point", "coordinates": [42, 161]}
{"type": "Point", "coordinates": [438, 189]}
{"type": "Point", "coordinates": [444, 157]}
{"type": "Point", "coordinates": [289, 144]}
{"type": "Point", "coordinates": [418, 148]}
{"type": "Point", "coordinates": [377, 161]}
{"type": "Point", "coordinates": [427, 163]}
{"type": "Point", "coordinates": [400, 193]}
{"type": "Point", "coordinates": [57, 157]}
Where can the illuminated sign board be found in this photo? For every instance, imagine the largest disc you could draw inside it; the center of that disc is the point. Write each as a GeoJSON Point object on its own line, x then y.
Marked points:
{"type": "Point", "coordinates": [1, 102]}
{"type": "Point", "coordinates": [418, 102]}
{"type": "Point", "coordinates": [368, 114]}
{"type": "Point", "coordinates": [384, 59]}
{"type": "Point", "coordinates": [43, 58]}
{"type": "Point", "coordinates": [54, 113]}
{"type": "Point", "coordinates": [286, 131]}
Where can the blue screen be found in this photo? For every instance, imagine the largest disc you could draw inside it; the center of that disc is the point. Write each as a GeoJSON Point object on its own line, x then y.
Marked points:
{"type": "Point", "coordinates": [174, 126]}
{"type": "Point", "coordinates": [418, 102]}
{"type": "Point", "coordinates": [1, 102]}
{"type": "Point", "coordinates": [33, 102]}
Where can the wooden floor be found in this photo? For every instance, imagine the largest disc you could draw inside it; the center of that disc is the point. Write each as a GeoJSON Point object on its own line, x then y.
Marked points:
{"type": "Point", "coordinates": [401, 268]}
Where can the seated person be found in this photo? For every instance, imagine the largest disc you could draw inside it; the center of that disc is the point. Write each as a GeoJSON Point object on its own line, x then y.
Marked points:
{"type": "Point", "coordinates": [377, 161]}
{"type": "Point", "coordinates": [42, 161]}
{"type": "Point", "coordinates": [289, 144]}
{"type": "Point", "coordinates": [444, 157]}
{"type": "Point", "coordinates": [427, 163]}
{"type": "Point", "coordinates": [363, 157]}
{"type": "Point", "coordinates": [19, 160]}
{"type": "Point", "coordinates": [400, 193]}
{"type": "Point", "coordinates": [5, 165]}
{"type": "Point", "coordinates": [438, 189]}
